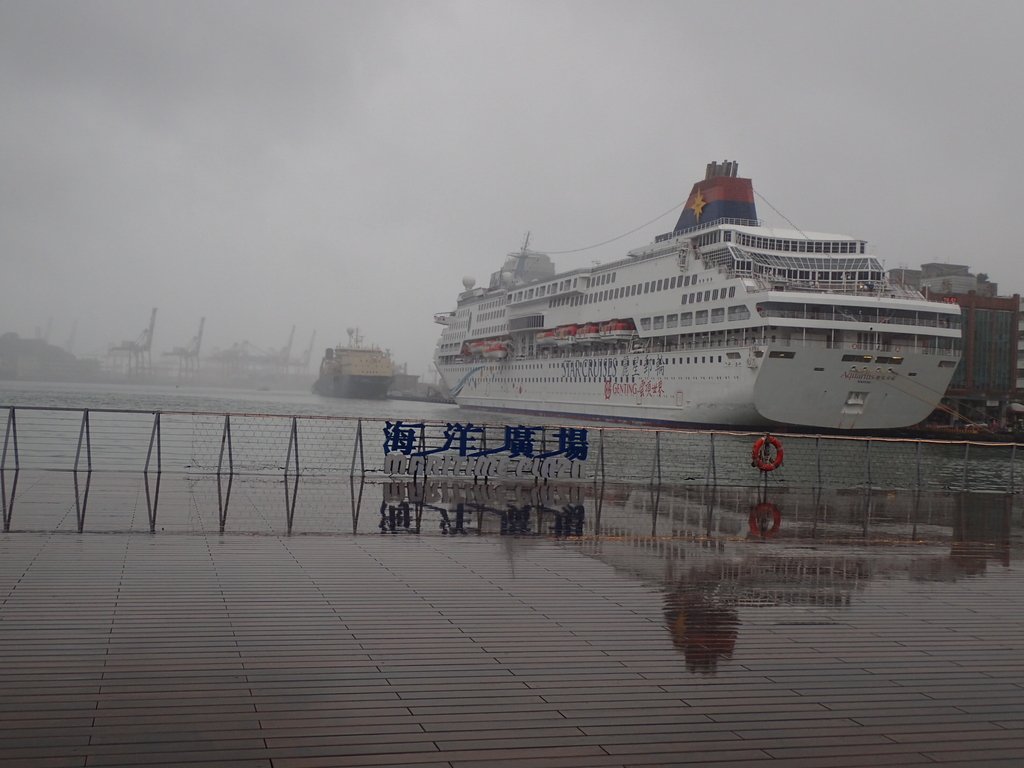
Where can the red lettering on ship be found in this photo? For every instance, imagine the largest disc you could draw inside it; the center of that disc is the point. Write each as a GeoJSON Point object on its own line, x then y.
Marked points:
{"type": "Point", "coordinates": [634, 389]}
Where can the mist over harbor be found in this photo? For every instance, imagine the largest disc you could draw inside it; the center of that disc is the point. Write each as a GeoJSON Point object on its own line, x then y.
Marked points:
{"type": "Point", "coordinates": [330, 166]}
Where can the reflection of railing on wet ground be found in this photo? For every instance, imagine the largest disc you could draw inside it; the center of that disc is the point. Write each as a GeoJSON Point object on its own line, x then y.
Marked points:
{"type": "Point", "coordinates": [293, 450]}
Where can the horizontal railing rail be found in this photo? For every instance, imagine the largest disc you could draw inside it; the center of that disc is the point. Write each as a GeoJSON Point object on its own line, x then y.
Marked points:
{"type": "Point", "coordinates": [260, 448]}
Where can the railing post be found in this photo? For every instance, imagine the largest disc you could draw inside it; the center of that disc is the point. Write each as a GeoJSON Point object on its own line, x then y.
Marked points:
{"type": "Point", "coordinates": [656, 461]}
{"type": "Point", "coordinates": [817, 457]}
{"type": "Point", "coordinates": [82, 500]}
{"type": "Point", "coordinates": [10, 439]}
{"type": "Point", "coordinates": [84, 433]}
{"type": "Point", "coordinates": [154, 500]}
{"type": "Point", "coordinates": [967, 454]}
{"type": "Point", "coordinates": [224, 499]}
{"type": "Point", "coordinates": [714, 462]}
{"type": "Point", "coordinates": [423, 451]}
{"type": "Point", "coordinates": [357, 447]}
{"type": "Point", "coordinates": [11, 432]}
{"type": "Point", "coordinates": [1013, 456]}
{"type": "Point", "coordinates": [918, 458]}
{"type": "Point", "coordinates": [867, 454]}
{"type": "Point", "coordinates": [293, 450]}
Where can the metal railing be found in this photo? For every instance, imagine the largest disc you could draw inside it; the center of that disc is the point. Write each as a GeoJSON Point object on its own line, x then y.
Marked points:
{"type": "Point", "coordinates": [227, 446]}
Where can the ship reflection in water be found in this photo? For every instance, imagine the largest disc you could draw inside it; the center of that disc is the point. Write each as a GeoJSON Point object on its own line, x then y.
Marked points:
{"type": "Point", "coordinates": [725, 557]}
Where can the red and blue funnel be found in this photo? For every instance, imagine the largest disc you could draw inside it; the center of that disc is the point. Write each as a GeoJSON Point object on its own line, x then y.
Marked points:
{"type": "Point", "coordinates": [722, 195]}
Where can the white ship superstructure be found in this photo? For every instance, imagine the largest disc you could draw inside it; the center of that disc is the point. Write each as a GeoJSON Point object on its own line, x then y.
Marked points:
{"type": "Point", "coordinates": [722, 321]}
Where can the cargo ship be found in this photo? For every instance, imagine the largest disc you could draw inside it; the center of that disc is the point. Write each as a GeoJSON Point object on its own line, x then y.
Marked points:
{"type": "Point", "coordinates": [355, 371]}
{"type": "Point", "coordinates": [723, 321]}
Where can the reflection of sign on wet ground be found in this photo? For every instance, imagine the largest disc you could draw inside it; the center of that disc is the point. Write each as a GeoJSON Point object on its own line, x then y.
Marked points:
{"type": "Point", "coordinates": [448, 492]}
{"type": "Point", "coordinates": [460, 508]}
{"type": "Point", "coordinates": [461, 450]}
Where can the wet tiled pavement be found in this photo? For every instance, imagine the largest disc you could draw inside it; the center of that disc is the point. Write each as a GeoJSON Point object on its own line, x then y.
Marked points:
{"type": "Point", "coordinates": [647, 640]}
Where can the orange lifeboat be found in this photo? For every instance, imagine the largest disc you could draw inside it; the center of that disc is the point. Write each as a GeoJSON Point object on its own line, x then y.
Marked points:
{"type": "Point", "coordinates": [566, 335]}
{"type": "Point", "coordinates": [589, 332]}
{"type": "Point", "coordinates": [618, 329]}
{"type": "Point", "coordinates": [496, 350]}
{"type": "Point", "coordinates": [545, 339]}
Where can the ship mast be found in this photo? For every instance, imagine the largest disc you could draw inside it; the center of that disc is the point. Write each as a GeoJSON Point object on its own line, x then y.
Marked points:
{"type": "Point", "coordinates": [355, 339]}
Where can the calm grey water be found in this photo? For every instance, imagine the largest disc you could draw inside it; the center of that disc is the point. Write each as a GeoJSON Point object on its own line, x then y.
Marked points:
{"type": "Point", "coordinates": [210, 400]}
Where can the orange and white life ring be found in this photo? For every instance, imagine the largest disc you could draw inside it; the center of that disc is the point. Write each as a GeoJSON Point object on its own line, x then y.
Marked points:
{"type": "Point", "coordinates": [767, 454]}
{"type": "Point", "coordinates": [760, 517]}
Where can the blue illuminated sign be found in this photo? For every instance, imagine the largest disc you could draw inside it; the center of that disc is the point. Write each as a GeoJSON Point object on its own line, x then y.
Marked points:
{"type": "Point", "coordinates": [461, 449]}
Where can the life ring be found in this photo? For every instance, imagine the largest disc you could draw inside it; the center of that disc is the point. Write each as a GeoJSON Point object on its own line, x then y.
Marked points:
{"type": "Point", "coordinates": [759, 519]}
{"type": "Point", "coordinates": [767, 454]}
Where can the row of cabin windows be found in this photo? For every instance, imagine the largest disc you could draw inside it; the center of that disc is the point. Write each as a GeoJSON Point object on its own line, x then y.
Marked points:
{"type": "Point", "coordinates": [712, 295]}
{"type": "Point", "coordinates": [498, 302]}
{"type": "Point", "coordinates": [716, 315]}
{"type": "Point", "coordinates": [665, 284]}
{"type": "Point", "coordinates": [545, 290]}
{"type": "Point", "coordinates": [494, 313]}
{"type": "Point", "coordinates": [801, 246]}
{"type": "Point", "coordinates": [637, 289]}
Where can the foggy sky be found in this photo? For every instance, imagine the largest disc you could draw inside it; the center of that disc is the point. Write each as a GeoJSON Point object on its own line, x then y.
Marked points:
{"type": "Point", "coordinates": [333, 164]}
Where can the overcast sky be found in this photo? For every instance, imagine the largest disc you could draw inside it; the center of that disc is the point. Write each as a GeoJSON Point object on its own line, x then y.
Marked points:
{"type": "Point", "coordinates": [333, 164]}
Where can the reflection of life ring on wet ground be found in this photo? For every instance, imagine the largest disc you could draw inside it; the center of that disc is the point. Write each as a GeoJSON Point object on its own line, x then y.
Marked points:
{"type": "Point", "coordinates": [767, 453]}
{"type": "Point", "coordinates": [759, 517]}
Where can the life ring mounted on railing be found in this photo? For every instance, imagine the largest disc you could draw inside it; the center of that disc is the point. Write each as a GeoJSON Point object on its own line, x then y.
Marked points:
{"type": "Point", "coordinates": [765, 519]}
{"type": "Point", "coordinates": [767, 453]}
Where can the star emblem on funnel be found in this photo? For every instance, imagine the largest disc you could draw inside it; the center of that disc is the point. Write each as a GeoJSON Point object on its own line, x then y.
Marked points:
{"type": "Point", "coordinates": [698, 204]}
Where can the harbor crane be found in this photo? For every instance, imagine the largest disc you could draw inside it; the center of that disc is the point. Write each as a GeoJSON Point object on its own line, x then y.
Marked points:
{"type": "Point", "coordinates": [188, 356]}
{"type": "Point", "coordinates": [138, 351]}
{"type": "Point", "coordinates": [283, 358]}
{"type": "Point", "coordinates": [302, 364]}
{"type": "Point", "coordinates": [69, 345]}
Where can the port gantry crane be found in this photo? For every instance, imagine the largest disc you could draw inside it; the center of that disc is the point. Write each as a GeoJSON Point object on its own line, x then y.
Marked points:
{"type": "Point", "coordinates": [302, 364]}
{"type": "Point", "coordinates": [138, 351]}
{"type": "Point", "coordinates": [188, 356]}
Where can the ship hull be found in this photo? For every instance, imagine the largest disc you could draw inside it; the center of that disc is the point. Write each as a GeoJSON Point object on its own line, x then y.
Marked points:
{"type": "Point", "coordinates": [353, 386]}
{"type": "Point", "coordinates": [746, 387]}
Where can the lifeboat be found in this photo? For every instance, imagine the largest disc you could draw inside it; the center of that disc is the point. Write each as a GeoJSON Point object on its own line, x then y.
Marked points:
{"type": "Point", "coordinates": [475, 348]}
{"type": "Point", "coordinates": [545, 339]}
{"type": "Point", "coordinates": [566, 335]}
{"type": "Point", "coordinates": [496, 350]}
{"type": "Point", "coordinates": [618, 329]}
{"type": "Point", "coordinates": [589, 332]}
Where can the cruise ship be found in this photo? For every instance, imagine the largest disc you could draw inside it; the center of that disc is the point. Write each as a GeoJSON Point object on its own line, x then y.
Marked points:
{"type": "Point", "coordinates": [723, 322]}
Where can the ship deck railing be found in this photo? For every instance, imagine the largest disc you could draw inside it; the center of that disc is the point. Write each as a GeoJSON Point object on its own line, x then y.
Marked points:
{"type": "Point", "coordinates": [844, 315]}
{"type": "Point", "coordinates": [866, 288]}
{"type": "Point", "coordinates": [710, 225]}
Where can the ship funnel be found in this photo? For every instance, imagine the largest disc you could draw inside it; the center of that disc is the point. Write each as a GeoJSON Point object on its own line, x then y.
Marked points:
{"type": "Point", "coordinates": [721, 195]}
{"type": "Point", "coordinates": [727, 168]}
